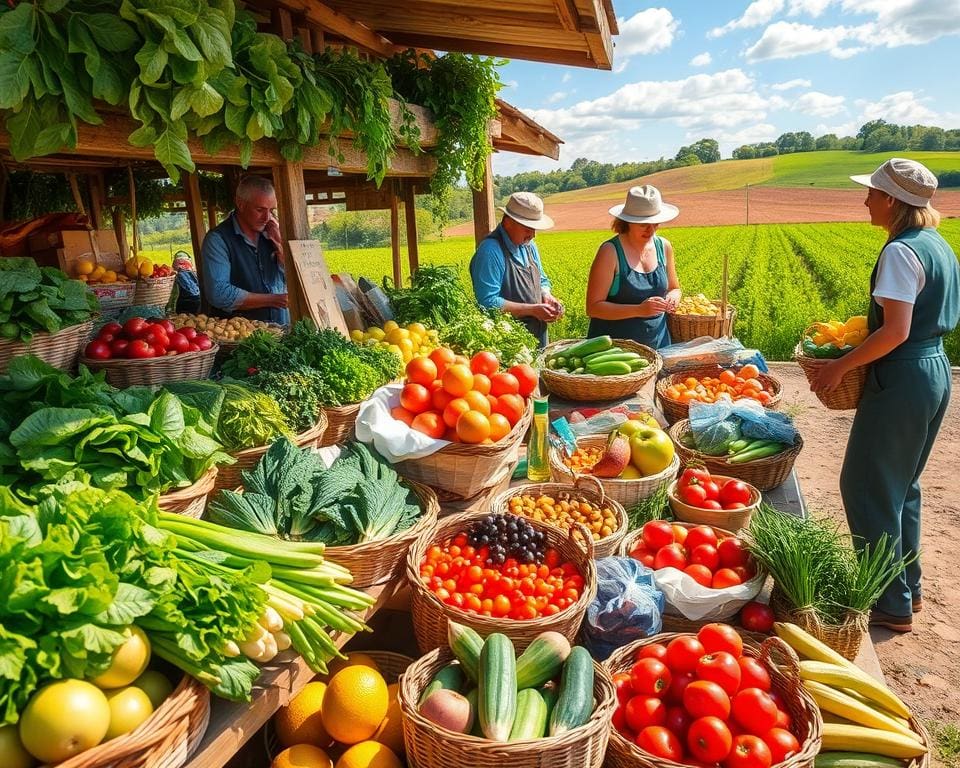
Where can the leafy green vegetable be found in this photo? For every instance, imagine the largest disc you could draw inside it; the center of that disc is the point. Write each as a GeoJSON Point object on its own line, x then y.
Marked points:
{"type": "Point", "coordinates": [34, 299]}
{"type": "Point", "coordinates": [300, 391]}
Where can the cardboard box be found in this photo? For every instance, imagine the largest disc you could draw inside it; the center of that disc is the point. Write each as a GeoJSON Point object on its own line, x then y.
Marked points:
{"type": "Point", "coordinates": [64, 248]}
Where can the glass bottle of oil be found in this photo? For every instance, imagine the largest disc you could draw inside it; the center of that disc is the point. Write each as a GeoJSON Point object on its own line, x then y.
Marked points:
{"type": "Point", "coordinates": [538, 447]}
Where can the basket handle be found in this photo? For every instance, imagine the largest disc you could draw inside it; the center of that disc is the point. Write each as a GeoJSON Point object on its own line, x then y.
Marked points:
{"type": "Point", "coordinates": [591, 479]}
{"type": "Point", "coordinates": [587, 537]}
{"type": "Point", "coordinates": [789, 663]}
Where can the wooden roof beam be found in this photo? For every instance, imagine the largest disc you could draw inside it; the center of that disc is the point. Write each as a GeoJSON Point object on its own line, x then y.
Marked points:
{"type": "Point", "coordinates": [336, 22]}
{"type": "Point", "coordinates": [570, 57]}
{"type": "Point", "coordinates": [521, 136]}
{"type": "Point", "coordinates": [600, 42]}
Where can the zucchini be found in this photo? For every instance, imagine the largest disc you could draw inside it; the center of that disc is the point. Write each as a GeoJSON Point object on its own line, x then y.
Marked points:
{"type": "Point", "coordinates": [575, 703]}
{"type": "Point", "coordinates": [531, 719]}
{"type": "Point", "coordinates": [855, 760]}
{"type": "Point", "coordinates": [609, 369]}
{"type": "Point", "coordinates": [465, 644]}
{"type": "Point", "coordinates": [589, 346]}
{"type": "Point", "coordinates": [449, 678]}
{"type": "Point", "coordinates": [543, 660]}
{"type": "Point", "coordinates": [497, 696]}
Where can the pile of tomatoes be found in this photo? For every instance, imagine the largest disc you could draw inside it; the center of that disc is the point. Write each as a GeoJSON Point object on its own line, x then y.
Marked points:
{"type": "Point", "coordinates": [139, 339]}
{"type": "Point", "coordinates": [461, 577]}
{"type": "Point", "coordinates": [698, 700]}
{"type": "Point", "coordinates": [698, 488]}
{"type": "Point", "coordinates": [450, 397]}
{"type": "Point", "coordinates": [728, 385]}
{"type": "Point", "coordinates": [714, 562]}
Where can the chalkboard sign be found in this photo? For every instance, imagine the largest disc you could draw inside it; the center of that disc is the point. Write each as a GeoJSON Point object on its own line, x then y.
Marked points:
{"type": "Point", "coordinates": [312, 275]}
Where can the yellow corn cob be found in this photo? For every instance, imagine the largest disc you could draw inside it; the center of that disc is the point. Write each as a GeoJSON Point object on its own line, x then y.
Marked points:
{"type": "Point", "coordinates": [856, 738]}
{"type": "Point", "coordinates": [835, 701]}
{"type": "Point", "coordinates": [842, 677]}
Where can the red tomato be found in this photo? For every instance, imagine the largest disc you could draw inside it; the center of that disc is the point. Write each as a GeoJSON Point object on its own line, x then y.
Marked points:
{"type": "Point", "coordinates": [485, 363]}
{"type": "Point", "coordinates": [134, 327]}
{"type": "Point", "coordinates": [178, 342]}
{"type": "Point", "coordinates": [140, 350]}
{"type": "Point", "coordinates": [650, 677]}
{"type": "Point", "coordinates": [721, 637]}
{"type": "Point", "coordinates": [194, 347]}
{"type": "Point", "coordinates": [753, 674]}
{"type": "Point", "coordinates": [734, 505]}
{"type": "Point", "coordinates": [782, 744]}
{"type": "Point", "coordinates": [509, 406]}
{"type": "Point", "coordinates": [722, 668]}
{"type": "Point", "coordinates": [783, 718]}
{"type": "Point", "coordinates": [190, 333]}
{"type": "Point", "coordinates": [700, 574]}
{"type": "Point", "coordinates": [733, 552]}
{"type": "Point", "coordinates": [203, 341]}
{"type": "Point", "coordinates": [744, 574]}
{"type": "Point", "coordinates": [671, 556]}
{"type": "Point", "coordinates": [693, 475]}
{"type": "Point", "coordinates": [415, 398]}
{"type": "Point", "coordinates": [678, 721]}
{"type": "Point", "coordinates": [711, 504]}
{"type": "Point", "coordinates": [694, 495]}
{"type": "Point", "coordinates": [527, 376]}
{"type": "Point", "coordinates": [700, 534]}
{"type": "Point", "coordinates": [709, 739]}
{"type": "Point", "coordinates": [705, 554]}
{"type": "Point", "coordinates": [683, 653]}
{"type": "Point", "coordinates": [703, 698]}
{"type": "Point", "coordinates": [112, 328]}
{"type": "Point", "coordinates": [656, 534]}
{"type": "Point", "coordinates": [712, 489]}
{"type": "Point", "coordinates": [167, 326]}
{"type": "Point", "coordinates": [749, 752]}
{"type": "Point", "coordinates": [734, 491]}
{"type": "Point", "coordinates": [656, 651]}
{"type": "Point", "coordinates": [118, 347]}
{"type": "Point", "coordinates": [157, 337]}
{"type": "Point", "coordinates": [98, 350]}
{"type": "Point", "coordinates": [644, 555]}
{"type": "Point", "coordinates": [726, 577]}
{"type": "Point", "coordinates": [754, 710]}
{"type": "Point", "coordinates": [659, 742]}
{"type": "Point", "coordinates": [756, 617]}
{"type": "Point", "coordinates": [619, 720]}
{"type": "Point", "coordinates": [678, 685]}
{"type": "Point", "coordinates": [504, 384]}
{"type": "Point", "coordinates": [679, 533]}
{"type": "Point", "coordinates": [644, 711]}
{"type": "Point", "coordinates": [621, 681]}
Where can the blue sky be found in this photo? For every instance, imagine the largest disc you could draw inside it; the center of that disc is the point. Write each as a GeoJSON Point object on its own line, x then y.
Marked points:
{"type": "Point", "coordinates": [742, 72]}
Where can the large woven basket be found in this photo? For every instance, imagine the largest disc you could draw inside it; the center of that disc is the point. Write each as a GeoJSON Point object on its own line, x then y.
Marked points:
{"type": "Point", "coordinates": [464, 470]}
{"type": "Point", "coordinates": [430, 746]}
{"type": "Point", "coordinates": [845, 638]}
{"type": "Point", "coordinates": [229, 475]}
{"type": "Point", "coordinates": [113, 297]}
{"type": "Point", "coordinates": [59, 349]}
{"type": "Point", "coordinates": [154, 291]}
{"type": "Point", "coordinates": [846, 396]}
{"type": "Point", "coordinates": [166, 739]}
{"type": "Point", "coordinates": [728, 519]}
{"type": "Point", "coordinates": [189, 366]}
{"type": "Point", "coordinates": [586, 387]}
{"type": "Point", "coordinates": [807, 724]}
{"type": "Point", "coordinates": [579, 490]}
{"type": "Point", "coordinates": [674, 410]}
{"type": "Point", "coordinates": [340, 421]}
{"type": "Point", "coordinates": [451, 504]}
{"type": "Point", "coordinates": [688, 327]}
{"type": "Point", "coordinates": [763, 474]}
{"type": "Point", "coordinates": [430, 615]}
{"type": "Point", "coordinates": [629, 493]}
{"type": "Point", "coordinates": [192, 500]}
{"type": "Point", "coordinates": [381, 561]}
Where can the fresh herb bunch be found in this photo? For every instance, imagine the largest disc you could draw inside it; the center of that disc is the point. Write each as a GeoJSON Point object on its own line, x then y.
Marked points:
{"type": "Point", "coordinates": [249, 418]}
{"type": "Point", "coordinates": [436, 296]}
{"type": "Point", "coordinates": [480, 329]}
{"type": "Point", "coordinates": [40, 299]}
{"type": "Point", "coordinates": [301, 393]}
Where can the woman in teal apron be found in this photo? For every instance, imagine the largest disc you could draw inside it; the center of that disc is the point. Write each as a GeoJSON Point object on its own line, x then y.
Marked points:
{"type": "Point", "coordinates": [633, 281]}
{"type": "Point", "coordinates": [915, 300]}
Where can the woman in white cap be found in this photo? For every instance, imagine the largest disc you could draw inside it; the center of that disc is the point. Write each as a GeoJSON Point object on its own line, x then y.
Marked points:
{"type": "Point", "coordinates": [633, 281]}
{"type": "Point", "coordinates": [914, 301]}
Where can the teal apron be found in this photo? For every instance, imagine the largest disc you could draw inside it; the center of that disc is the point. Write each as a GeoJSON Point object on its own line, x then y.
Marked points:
{"type": "Point", "coordinates": [632, 287]}
{"type": "Point", "coordinates": [899, 415]}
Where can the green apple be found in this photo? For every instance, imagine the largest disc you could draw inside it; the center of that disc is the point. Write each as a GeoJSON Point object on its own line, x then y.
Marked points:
{"type": "Point", "coordinates": [630, 427]}
{"type": "Point", "coordinates": [651, 450]}
{"type": "Point", "coordinates": [630, 472]}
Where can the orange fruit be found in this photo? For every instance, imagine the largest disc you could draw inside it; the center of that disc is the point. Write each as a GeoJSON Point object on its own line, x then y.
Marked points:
{"type": "Point", "coordinates": [749, 371]}
{"type": "Point", "coordinates": [728, 376]}
{"type": "Point", "coordinates": [499, 426]}
{"type": "Point", "coordinates": [302, 756]}
{"type": "Point", "coordinates": [402, 414]}
{"type": "Point", "coordinates": [353, 659]}
{"type": "Point", "coordinates": [442, 357]}
{"type": "Point", "coordinates": [478, 402]}
{"type": "Point", "coordinates": [430, 423]}
{"type": "Point", "coordinates": [457, 380]}
{"type": "Point", "coordinates": [457, 407]}
{"type": "Point", "coordinates": [369, 754]}
{"type": "Point", "coordinates": [390, 732]}
{"type": "Point", "coordinates": [481, 383]}
{"type": "Point", "coordinates": [421, 370]}
{"type": "Point", "coordinates": [504, 384]}
{"type": "Point", "coordinates": [511, 406]}
{"type": "Point", "coordinates": [473, 427]}
{"type": "Point", "coordinates": [354, 704]}
{"type": "Point", "coordinates": [415, 398]}
{"type": "Point", "coordinates": [485, 363]}
{"type": "Point", "coordinates": [441, 399]}
{"type": "Point", "coordinates": [300, 721]}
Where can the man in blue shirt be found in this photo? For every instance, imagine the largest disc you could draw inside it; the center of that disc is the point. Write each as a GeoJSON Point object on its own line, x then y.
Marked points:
{"type": "Point", "coordinates": [506, 269]}
{"type": "Point", "coordinates": [243, 270]}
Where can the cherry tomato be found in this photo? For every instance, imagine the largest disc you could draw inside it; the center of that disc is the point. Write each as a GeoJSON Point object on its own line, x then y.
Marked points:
{"type": "Point", "coordinates": [703, 698]}
{"type": "Point", "coordinates": [753, 674]}
{"type": "Point", "coordinates": [756, 617]}
{"type": "Point", "coordinates": [671, 556]}
{"type": "Point", "coordinates": [735, 491]}
{"type": "Point", "coordinates": [782, 744]}
{"type": "Point", "coordinates": [733, 552]}
{"type": "Point", "coordinates": [701, 534]}
{"type": "Point", "coordinates": [650, 677]}
{"type": "Point", "coordinates": [693, 495]}
{"type": "Point", "coordinates": [721, 637]}
{"type": "Point", "coordinates": [706, 555]}
{"type": "Point", "coordinates": [657, 534]}
{"type": "Point", "coordinates": [659, 742]}
{"type": "Point", "coordinates": [709, 739]}
{"type": "Point", "coordinates": [98, 350]}
{"type": "Point", "coordinates": [722, 668]}
{"type": "Point", "coordinates": [644, 711]}
{"type": "Point", "coordinates": [754, 710]}
{"type": "Point", "coordinates": [683, 653]}
{"type": "Point", "coordinates": [656, 651]}
{"type": "Point", "coordinates": [749, 752]}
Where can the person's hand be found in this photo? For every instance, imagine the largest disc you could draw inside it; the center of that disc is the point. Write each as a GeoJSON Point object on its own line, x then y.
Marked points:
{"type": "Point", "coordinates": [272, 233]}
{"type": "Point", "coordinates": [828, 377]}
{"type": "Point", "coordinates": [554, 302]}
{"type": "Point", "coordinates": [655, 305]}
{"type": "Point", "coordinates": [278, 300]}
{"type": "Point", "coordinates": [546, 312]}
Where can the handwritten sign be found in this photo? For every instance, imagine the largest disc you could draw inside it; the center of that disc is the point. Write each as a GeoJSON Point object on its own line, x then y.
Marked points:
{"type": "Point", "coordinates": [312, 275]}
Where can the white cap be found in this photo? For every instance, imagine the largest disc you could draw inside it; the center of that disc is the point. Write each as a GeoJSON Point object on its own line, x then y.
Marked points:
{"type": "Point", "coordinates": [906, 180]}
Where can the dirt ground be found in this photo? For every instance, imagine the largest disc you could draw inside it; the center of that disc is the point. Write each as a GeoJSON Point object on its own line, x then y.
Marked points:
{"type": "Point", "coordinates": [922, 666]}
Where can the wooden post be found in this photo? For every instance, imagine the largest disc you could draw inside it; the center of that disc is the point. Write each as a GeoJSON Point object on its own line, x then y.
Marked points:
{"type": "Point", "coordinates": [294, 225]}
{"type": "Point", "coordinates": [97, 195]}
{"type": "Point", "coordinates": [198, 229]}
{"type": "Point", "coordinates": [212, 217]}
{"type": "Point", "coordinates": [120, 230]}
{"type": "Point", "coordinates": [317, 40]}
{"type": "Point", "coordinates": [484, 215]}
{"type": "Point", "coordinates": [395, 238]}
{"type": "Point", "coordinates": [283, 23]}
{"type": "Point", "coordinates": [410, 214]}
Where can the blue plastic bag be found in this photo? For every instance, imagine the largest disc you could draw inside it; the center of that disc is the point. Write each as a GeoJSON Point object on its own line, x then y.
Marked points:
{"type": "Point", "coordinates": [628, 606]}
{"type": "Point", "coordinates": [756, 422]}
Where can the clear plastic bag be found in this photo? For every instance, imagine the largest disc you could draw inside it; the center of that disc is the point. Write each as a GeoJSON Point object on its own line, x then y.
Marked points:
{"type": "Point", "coordinates": [699, 353]}
{"type": "Point", "coordinates": [716, 438]}
{"type": "Point", "coordinates": [756, 422]}
{"type": "Point", "coordinates": [628, 606]}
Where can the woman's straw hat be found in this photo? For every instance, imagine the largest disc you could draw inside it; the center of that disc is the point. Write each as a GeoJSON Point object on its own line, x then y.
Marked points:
{"type": "Point", "coordinates": [644, 206]}
{"type": "Point", "coordinates": [906, 180]}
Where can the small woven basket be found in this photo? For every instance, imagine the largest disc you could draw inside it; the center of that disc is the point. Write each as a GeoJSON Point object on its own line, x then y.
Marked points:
{"type": "Point", "coordinates": [451, 504]}
{"type": "Point", "coordinates": [674, 410]}
{"type": "Point", "coordinates": [847, 394]}
{"type": "Point", "coordinates": [629, 493]}
{"type": "Point", "coordinates": [188, 366]}
{"type": "Point", "coordinates": [845, 638]}
{"type": "Point", "coordinates": [577, 491]}
{"type": "Point", "coordinates": [229, 475]}
{"type": "Point", "coordinates": [113, 297]}
{"type": "Point", "coordinates": [807, 724]}
{"type": "Point", "coordinates": [166, 739]}
{"type": "Point", "coordinates": [688, 327]}
{"type": "Point", "coordinates": [59, 349]}
{"type": "Point", "coordinates": [728, 519]}
{"type": "Point", "coordinates": [763, 474]}
{"type": "Point", "coordinates": [192, 500]}
{"type": "Point", "coordinates": [431, 746]}
{"type": "Point", "coordinates": [340, 421]}
{"type": "Point", "coordinates": [586, 387]}
{"type": "Point", "coordinates": [430, 615]}
{"type": "Point", "coordinates": [154, 291]}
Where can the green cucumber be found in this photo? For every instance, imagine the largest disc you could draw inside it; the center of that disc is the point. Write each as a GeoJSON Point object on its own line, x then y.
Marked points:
{"type": "Point", "coordinates": [575, 703]}
{"type": "Point", "coordinates": [589, 346]}
{"type": "Point", "coordinates": [531, 719]}
{"type": "Point", "coordinates": [465, 644]}
{"type": "Point", "coordinates": [542, 660]}
{"type": "Point", "coordinates": [639, 365]}
{"type": "Point", "coordinates": [475, 730]}
{"type": "Point", "coordinates": [619, 357]}
{"type": "Point", "coordinates": [604, 353]}
{"type": "Point", "coordinates": [609, 369]}
{"type": "Point", "coordinates": [855, 760]}
{"type": "Point", "coordinates": [450, 678]}
{"type": "Point", "coordinates": [550, 695]}
{"type": "Point", "coordinates": [752, 454]}
{"type": "Point", "coordinates": [497, 697]}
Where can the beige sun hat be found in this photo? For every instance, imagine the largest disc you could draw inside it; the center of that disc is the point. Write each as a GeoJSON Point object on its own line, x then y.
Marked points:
{"type": "Point", "coordinates": [644, 206]}
{"type": "Point", "coordinates": [906, 180]}
{"type": "Point", "coordinates": [527, 209]}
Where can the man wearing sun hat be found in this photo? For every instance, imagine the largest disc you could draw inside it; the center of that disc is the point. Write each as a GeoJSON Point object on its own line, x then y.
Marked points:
{"type": "Point", "coordinates": [915, 302]}
{"type": "Point", "coordinates": [506, 269]}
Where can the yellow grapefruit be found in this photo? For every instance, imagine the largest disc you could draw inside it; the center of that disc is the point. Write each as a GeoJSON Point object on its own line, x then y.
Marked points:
{"type": "Point", "coordinates": [129, 707]}
{"type": "Point", "coordinates": [12, 753]}
{"type": "Point", "coordinates": [64, 719]}
{"type": "Point", "coordinates": [354, 704]}
{"type": "Point", "coordinates": [128, 662]}
{"type": "Point", "coordinates": [302, 756]}
{"type": "Point", "coordinates": [300, 722]}
{"type": "Point", "coordinates": [369, 754]}
{"type": "Point", "coordinates": [390, 732]}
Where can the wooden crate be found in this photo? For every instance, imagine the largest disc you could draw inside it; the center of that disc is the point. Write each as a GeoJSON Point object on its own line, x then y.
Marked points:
{"type": "Point", "coordinates": [63, 248]}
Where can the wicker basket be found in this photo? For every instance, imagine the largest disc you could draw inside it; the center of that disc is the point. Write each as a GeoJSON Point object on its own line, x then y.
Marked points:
{"type": "Point", "coordinates": [629, 493]}
{"type": "Point", "coordinates": [464, 470]}
{"type": "Point", "coordinates": [188, 366]}
{"type": "Point", "coordinates": [451, 504]}
{"type": "Point", "coordinates": [728, 519]}
{"type": "Point", "coordinates": [113, 297]}
{"type": "Point", "coordinates": [229, 475]}
{"type": "Point", "coordinates": [674, 410]}
{"type": "Point", "coordinates": [580, 491]}
{"type": "Point", "coordinates": [430, 616]}
{"type": "Point", "coordinates": [58, 349]}
{"type": "Point", "coordinates": [688, 327]}
{"type": "Point", "coordinates": [154, 291]}
{"type": "Point", "coordinates": [763, 474]}
{"type": "Point", "coordinates": [192, 500]}
{"type": "Point", "coordinates": [807, 724]}
{"type": "Point", "coordinates": [340, 421]}
{"type": "Point", "coordinates": [586, 387]}
{"type": "Point", "coordinates": [430, 746]}
{"type": "Point", "coordinates": [166, 739]}
{"type": "Point", "coordinates": [845, 638]}
{"type": "Point", "coordinates": [847, 395]}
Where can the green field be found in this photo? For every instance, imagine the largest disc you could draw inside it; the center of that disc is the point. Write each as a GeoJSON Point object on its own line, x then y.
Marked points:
{"type": "Point", "coordinates": [782, 276]}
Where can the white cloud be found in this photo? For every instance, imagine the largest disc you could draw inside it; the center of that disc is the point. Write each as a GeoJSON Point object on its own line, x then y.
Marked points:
{"type": "Point", "coordinates": [787, 40]}
{"type": "Point", "coordinates": [790, 84]}
{"type": "Point", "coordinates": [904, 107]}
{"type": "Point", "coordinates": [818, 104]}
{"type": "Point", "coordinates": [556, 96]}
{"type": "Point", "coordinates": [649, 31]}
{"type": "Point", "coordinates": [567, 77]}
{"type": "Point", "coordinates": [809, 7]}
{"type": "Point", "coordinates": [701, 59]}
{"type": "Point", "coordinates": [758, 13]}
{"type": "Point", "coordinates": [840, 130]}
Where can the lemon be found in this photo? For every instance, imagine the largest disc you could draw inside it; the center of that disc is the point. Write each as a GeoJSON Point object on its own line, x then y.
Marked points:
{"type": "Point", "coordinates": [85, 267]}
{"type": "Point", "coordinates": [395, 349]}
{"type": "Point", "coordinates": [369, 754]}
{"type": "Point", "coordinates": [128, 662]}
{"type": "Point", "coordinates": [300, 722]}
{"type": "Point", "coordinates": [354, 704]}
{"type": "Point", "coordinates": [146, 268]}
{"type": "Point", "coordinates": [390, 732]}
{"type": "Point", "coordinates": [129, 707]}
{"type": "Point", "coordinates": [97, 272]}
{"type": "Point", "coordinates": [302, 756]}
{"type": "Point", "coordinates": [390, 325]}
{"type": "Point", "coordinates": [376, 333]}
{"type": "Point", "coordinates": [417, 328]}
{"type": "Point", "coordinates": [356, 335]}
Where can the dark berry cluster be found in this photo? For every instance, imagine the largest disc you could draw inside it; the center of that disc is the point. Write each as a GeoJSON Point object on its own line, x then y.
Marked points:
{"type": "Point", "coordinates": [508, 536]}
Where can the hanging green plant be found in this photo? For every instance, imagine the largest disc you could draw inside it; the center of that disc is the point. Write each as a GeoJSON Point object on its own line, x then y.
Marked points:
{"type": "Point", "coordinates": [150, 194]}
